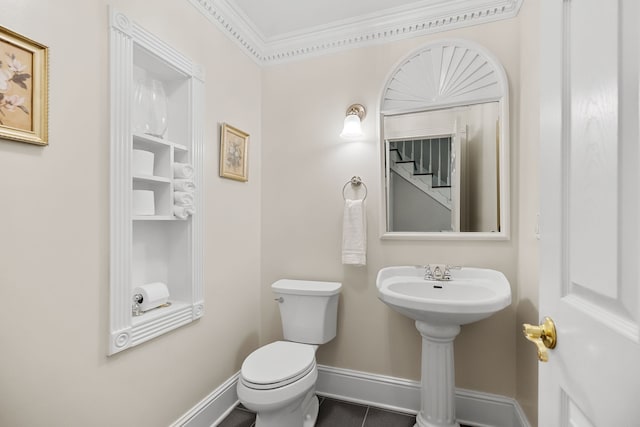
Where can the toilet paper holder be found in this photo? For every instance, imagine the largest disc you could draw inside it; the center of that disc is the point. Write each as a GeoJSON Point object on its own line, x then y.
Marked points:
{"type": "Point", "coordinates": [136, 310]}
{"type": "Point", "coordinates": [148, 297]}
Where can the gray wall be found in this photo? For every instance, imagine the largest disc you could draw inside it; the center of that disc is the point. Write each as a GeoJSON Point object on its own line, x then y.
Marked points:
{"type": "Point", "coordinates": [414, 210]}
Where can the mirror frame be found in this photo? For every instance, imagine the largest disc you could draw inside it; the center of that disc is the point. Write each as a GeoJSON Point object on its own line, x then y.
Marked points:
{"type": "Point", "coordinates": [405, 93]}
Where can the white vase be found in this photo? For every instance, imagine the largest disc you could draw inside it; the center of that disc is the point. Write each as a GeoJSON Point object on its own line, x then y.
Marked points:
{"type": "Point", "coordinates": [150, 107]}
{"type": "Point", "coordinates": [158, 109]}
{"type": "Point", "coordinates": [141, 105]}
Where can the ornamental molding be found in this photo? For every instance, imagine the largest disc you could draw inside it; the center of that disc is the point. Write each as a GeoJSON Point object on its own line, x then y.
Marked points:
{"type": "Point", "coordinates": [398, 24]}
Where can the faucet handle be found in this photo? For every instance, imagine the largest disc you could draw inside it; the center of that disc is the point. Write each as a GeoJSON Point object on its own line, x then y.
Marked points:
{"type": "Point", "coordinates": [428, 274]}
{"type": "Point", "coordinates": [447, 271]}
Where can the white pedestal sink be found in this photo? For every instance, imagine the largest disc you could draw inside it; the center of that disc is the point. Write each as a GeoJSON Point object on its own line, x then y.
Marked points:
{"type": "Point", "coordinates": [439, 308]}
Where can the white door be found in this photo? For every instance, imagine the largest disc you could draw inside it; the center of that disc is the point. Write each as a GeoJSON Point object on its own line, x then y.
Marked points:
{"type": "Point", "coordinates": [590, 214]}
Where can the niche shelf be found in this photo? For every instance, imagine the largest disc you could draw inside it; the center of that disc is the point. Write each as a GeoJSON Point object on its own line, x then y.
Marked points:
{"type": "Point", "coordinates": [158, 247]}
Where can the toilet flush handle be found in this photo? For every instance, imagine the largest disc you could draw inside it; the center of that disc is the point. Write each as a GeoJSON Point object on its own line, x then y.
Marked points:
{"type": "Point", "coordinates": [279, 299]}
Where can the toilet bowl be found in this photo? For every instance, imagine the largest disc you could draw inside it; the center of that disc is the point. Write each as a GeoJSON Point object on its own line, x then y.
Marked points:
{"type": "Point", "coordinates": [277, 381]}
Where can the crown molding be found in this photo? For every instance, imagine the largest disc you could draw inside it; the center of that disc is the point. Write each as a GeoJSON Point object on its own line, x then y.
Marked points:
{"type": "Point", "coordinates": [396, 24]}
{"type": "Point", "coordinates": [233, 25]}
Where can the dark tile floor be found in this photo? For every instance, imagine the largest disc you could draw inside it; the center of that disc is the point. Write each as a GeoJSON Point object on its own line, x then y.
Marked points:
{"type": "Point", "coordinates": [334, 413]}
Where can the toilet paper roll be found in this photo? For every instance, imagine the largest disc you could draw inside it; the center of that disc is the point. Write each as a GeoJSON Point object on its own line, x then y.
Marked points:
{"type": "Point", "coordinates": [153, 295]}
{"type": "Point", "coordinates": [142, 162]}
{"type": "Point", "coordinates": [143, 202]}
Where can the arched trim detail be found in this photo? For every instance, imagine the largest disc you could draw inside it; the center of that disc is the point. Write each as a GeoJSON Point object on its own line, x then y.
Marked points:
{"type": "Point", "coordinates": [443, 74]}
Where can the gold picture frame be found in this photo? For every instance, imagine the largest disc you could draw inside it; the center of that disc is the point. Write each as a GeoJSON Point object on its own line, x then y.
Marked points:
{"type": "Point", "coordinates": [234, 146]}
{"type": "Point", "coordinates": [24, 91]}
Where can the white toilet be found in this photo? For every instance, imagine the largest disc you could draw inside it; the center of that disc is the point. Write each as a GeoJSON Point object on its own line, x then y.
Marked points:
{"type": "Point", "coordinates": [278, 381]}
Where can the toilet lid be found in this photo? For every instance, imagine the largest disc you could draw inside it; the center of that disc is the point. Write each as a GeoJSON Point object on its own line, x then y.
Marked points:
{"type": "Point", "coordinates": [278, 364]}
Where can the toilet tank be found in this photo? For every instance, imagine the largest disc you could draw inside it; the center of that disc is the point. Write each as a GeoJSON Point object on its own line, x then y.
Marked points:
{"type": "Point", "coordinates": [308, 309]}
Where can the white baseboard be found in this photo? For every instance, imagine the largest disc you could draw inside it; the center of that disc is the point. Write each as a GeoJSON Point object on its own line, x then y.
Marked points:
{"type": "Point", "coordinates": [369, 389]}
{"type": "Point", "coordinates": [211, 410]}
{"type": "Point", "coordinates": [472, 407]}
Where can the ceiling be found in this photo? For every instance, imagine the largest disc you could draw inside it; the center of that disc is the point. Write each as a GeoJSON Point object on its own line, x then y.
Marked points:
{"type": "Point", "coordinates": [276, 31]}
{"type": "Point", "coordinates": [274, 19]}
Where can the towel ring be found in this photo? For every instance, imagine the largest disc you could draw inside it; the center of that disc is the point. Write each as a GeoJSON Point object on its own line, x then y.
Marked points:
{"type": "Point", "coordinates": [356, 182]}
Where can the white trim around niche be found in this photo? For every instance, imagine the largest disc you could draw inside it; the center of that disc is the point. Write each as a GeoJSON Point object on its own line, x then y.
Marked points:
{"type": "Point", "coordinates": [473, 407]}
{"type": "Point", "coordinates": [132, 46]}
{"type": "Point", "coordinates": [395, 24]}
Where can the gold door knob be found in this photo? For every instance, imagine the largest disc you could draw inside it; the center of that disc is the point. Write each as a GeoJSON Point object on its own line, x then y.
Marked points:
{"type": "Point", "coordinates": [543, 336]}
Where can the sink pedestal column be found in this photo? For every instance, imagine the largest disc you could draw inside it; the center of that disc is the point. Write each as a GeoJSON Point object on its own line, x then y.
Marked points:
{"type": "Point", "coordinates": [437, 406]}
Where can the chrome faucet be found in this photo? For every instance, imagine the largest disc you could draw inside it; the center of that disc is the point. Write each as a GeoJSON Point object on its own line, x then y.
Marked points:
{"type": "Point", "coordinates": [439, 272]}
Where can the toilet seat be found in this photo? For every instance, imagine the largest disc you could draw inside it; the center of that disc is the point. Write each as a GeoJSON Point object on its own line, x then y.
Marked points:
{"type": "Point", "coordinates": [277, 364]}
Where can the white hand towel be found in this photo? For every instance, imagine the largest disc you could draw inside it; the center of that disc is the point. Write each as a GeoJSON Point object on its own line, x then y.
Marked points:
{"type": "Point", "coordinates": [183, 212]}
{"type": "Point", "coordinates": [182, 198]}
{"type": "Point", "coordinates": [182, 170]}
{"type": "Point", "coordinates": [354, 233]}
{"type": "Point", "coordinates": [184, 185]}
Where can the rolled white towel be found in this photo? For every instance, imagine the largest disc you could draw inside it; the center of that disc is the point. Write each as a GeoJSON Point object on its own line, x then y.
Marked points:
{"type": "Point", "coordinates": [182, 170]}
{"type": "Point", "coordinates": [183, 212]}
{"type": "Point", "coordinates": [182, 198]}
{"type": "Point", "coordinates": [184, 185]}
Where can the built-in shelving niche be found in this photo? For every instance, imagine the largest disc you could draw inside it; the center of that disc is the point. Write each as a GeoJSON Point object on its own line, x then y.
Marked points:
{"type": "Point", "coordinates": [159, 247]}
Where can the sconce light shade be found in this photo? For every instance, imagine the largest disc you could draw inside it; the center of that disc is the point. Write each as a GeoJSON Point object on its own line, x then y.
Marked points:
{"type": "Point", "coordinates": [352, 122]}
{"type": "Point", "coordinates": [352, 127]}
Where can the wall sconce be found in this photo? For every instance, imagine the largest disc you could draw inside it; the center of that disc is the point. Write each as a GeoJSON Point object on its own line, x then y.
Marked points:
{"type": "Point", "coordinates": [352, 123]}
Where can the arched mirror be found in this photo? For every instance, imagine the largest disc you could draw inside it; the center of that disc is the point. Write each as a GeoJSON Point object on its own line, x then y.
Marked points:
{"type": "Point", "coordinates": [445, 128]}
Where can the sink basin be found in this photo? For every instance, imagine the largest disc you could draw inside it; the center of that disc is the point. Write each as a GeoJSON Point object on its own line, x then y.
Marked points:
{"type": "Point", "coordinates": [439, 308]}
{"type": "Point", "coordinates": [472, 294]}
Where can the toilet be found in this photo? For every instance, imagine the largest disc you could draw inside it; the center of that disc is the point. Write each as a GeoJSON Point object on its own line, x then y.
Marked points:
{"type": "Point", "coordinates": [277, 381]}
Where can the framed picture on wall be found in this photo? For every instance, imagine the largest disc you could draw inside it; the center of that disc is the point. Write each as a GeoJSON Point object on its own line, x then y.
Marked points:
{"type": "Point", "coordinates": [24, 92]}
{"type": "Point", "coordinates": [234, 146]}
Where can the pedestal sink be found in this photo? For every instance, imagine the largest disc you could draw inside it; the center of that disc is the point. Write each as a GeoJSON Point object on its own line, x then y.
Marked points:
{"type": "Point", "coordinates": [439, 307]}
